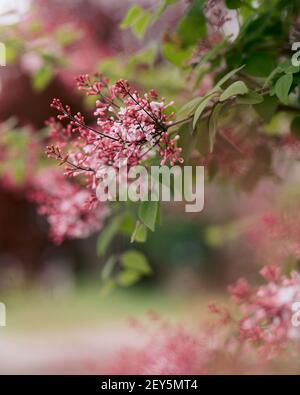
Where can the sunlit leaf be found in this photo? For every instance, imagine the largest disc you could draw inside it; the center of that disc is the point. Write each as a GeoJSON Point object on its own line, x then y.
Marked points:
{"type": "Point", "coordinates": [132, 15]}
{"type": "Point", "coordinates": [140, 233]}
{"type": "Point", "coordinates": [128, 278]}
{"type": "Point", "coordinates": [42, 78]}
{"type": "Point", "coordinates": [148, 212]}
{"type": "Point", "coordinates": [235, 89]}
{"type": "Point", "coordinates": [141, 25]}
{"type": "Point", "coordinates": [201, 108]}
{"type": "Point", "coordinates": [175, 55]}
{"type": "Point", "coordinates": [163, 6]}
{"type": "Point", "coordinates": [135, 261]}
{"type": "Point", "coordinates": [190, 107]}
{"type": "Point", "coordinates": [228, 76]}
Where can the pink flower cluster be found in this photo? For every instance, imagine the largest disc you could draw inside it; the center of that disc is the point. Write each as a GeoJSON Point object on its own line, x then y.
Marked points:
{"type": "Point", "coordinates": [167, 348]}
{"type": "Point", "coordinates": [247, 336]}
{"type": "Point", "coordinates": [129, 127]}
{"type": "Point", "coordinates": [72, 211]}
{"type": "Point", "coordinates": [276, 235]}
{"type": "Point", "coordinates": [216, 14]}
{"type": "Point", "coordinates": [265, 313]}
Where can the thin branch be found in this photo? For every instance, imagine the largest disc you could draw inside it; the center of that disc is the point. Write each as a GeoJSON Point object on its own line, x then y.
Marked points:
{"type": "Point", "coordinates": [78, 167]}
{"type": "Point", "coordinates": [83, 125]}
{"type": "Point", "coordinates": [179, 122]}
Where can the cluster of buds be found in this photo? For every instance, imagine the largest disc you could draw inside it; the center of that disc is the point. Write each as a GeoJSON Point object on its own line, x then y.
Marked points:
{"type": "Point", "coordinates": [265, 313]}
{"type": "Point", "coordinates": [129, 129]}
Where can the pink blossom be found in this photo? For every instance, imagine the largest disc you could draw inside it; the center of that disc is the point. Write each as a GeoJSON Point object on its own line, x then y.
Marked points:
{"type": "Point", "coordinates": [276, 235]}
{"type": "Point", "coordinates": [168, 349]}
{"type": "Point", "coordinates": [240, 291]}
{"type": "Point", "coordinates": [266, 312]}
{"type": "Point", "coordinates": [270, 273]}
{"type": "Point", "coordinates": [72, 212]}
{"type": "Point", "coordinates": [129, 129]}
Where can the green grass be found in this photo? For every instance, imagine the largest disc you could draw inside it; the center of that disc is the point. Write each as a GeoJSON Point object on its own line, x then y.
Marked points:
{"type": "Point", "coordinates": [84, 307]}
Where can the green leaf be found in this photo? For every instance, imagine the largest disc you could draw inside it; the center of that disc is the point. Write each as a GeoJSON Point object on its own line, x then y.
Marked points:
{"type": "Point", "coordinates": [283, 86]}
{"type": "Point", "coordinates": [18, 170]}
{"type": "Point", "coordinates": [11, 54]}
{"type": "Point", "coordinates": [288, 68]}
{"type": "Point", "coordinates": [212, 125]}
{"type": "Point", "coordinates": [292, 69]}
{"type": "Point", "coordinates": [139, 234]}
{"type": "Point", "coordinates": [267, 108]}
{"type": "Point", "coordinates": [235, 89]}
{"type": "Point", "coordinates": [138, 20]}
{"type": "Point", "coordinates": [128, 278]}
{"type": "Point", "coordinates": [276, 71]}
{"type": "Point", "coordinates": [260, 64]}
{"type": "Point", "coordinates": [233, 4]}
{"type": "Point", "coordinates": [141, 25]}
{"type": "Point", "coordinates": [234, 58]}
{"type": "Point", "coordinates": [285, 67]}
{"type": "Point", "coordinates": [42, 78]}
{"type": "Point", "coordinates": [148, 212]}
{"type": "Point", "coordinates": [134, 260]}
{"type": "Point", "coordinates": [130, 18]}
{"type": "Point", "coordinates": [228, 76]}
{"type": "Point", "coordinates": [175, 55]}
{"type": "Point", "coordinates": [127, 223]}
{"type": "Point", "coordinates": [163, 6]}
{"type": "Point", "coordinates": [190, 107]}
{"type": "Point", "coordinates": [66, 35]}
{"type": "Point", "coordinates": [201, 108]}
{"type": "Point", "coordinates": [250, 98]}
{"type": "Point", "coordinates": [193, 25]}
{"type": "Point", "coordinates": [108, 234]}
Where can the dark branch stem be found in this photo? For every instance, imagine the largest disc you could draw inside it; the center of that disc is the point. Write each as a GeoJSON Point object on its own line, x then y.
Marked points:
{"type": "Point", "coordinates": [180, 121]}
{"type": "Point", "coordinates": [287, 108]}
{"type": "Point", "coordinates": [79, 167]}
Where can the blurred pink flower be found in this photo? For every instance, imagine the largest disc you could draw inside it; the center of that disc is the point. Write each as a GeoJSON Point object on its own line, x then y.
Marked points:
{"type": "Point", "coordinates": [72, 212]}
